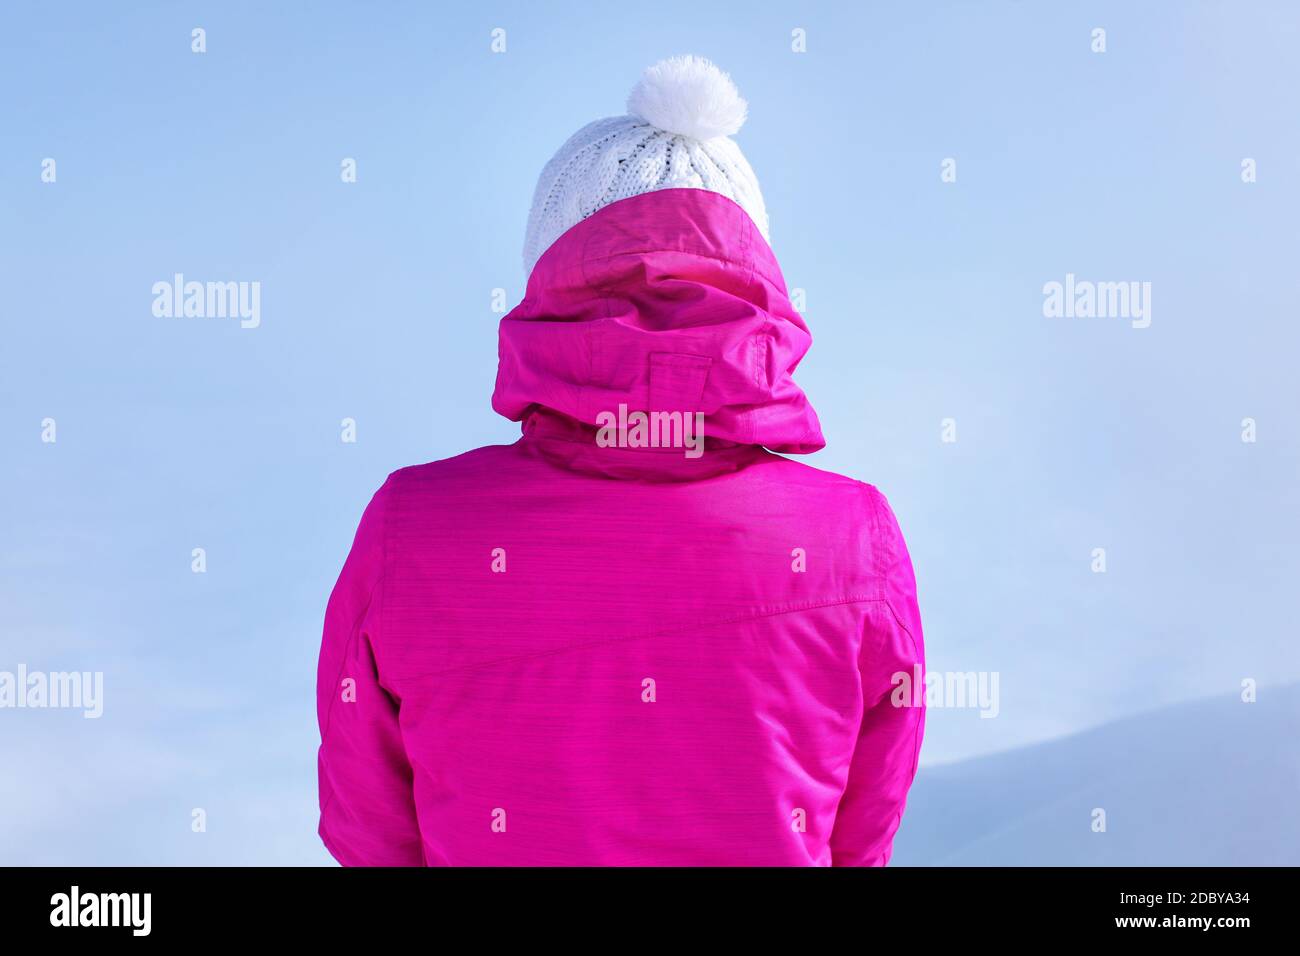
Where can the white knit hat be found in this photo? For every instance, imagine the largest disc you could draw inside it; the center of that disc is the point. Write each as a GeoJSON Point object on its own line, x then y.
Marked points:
{"type": "Point", "coordinates": [681, 114]}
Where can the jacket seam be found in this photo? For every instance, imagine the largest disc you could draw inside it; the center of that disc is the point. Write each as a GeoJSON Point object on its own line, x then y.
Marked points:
{"type": "Point", "coordinates": [878, 562]}
{"type": "Point", "coordinates": [356, 631]}
{"type": "Point", "coordinates": [749, 268]}
{"type": "Point", "coordinates": [916, 658]}
{"type": "Point", "coordinates": [352, 639]}
{"type": "Point", "coordinates": [333, 692]}
{"type": "Point", "coordinates": [734, 619]}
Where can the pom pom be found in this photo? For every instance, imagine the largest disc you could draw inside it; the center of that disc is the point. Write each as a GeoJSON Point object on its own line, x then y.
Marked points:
{"type": "Point", "coordinates": [688, 96]}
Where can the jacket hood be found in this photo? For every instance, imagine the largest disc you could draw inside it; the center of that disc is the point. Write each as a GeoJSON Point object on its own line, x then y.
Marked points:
{"type": "Point", "coordinates": [667, 301]}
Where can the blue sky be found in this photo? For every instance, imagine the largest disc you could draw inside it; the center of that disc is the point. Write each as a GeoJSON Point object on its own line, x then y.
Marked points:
{"type": "Point", "coordinates": [924, 297]}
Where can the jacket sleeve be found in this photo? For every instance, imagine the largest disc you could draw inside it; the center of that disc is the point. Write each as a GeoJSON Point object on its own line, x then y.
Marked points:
{"type": "Point", "coordinates": [367, 810]}
{"type": "Point", "coordinates": [892, 666]}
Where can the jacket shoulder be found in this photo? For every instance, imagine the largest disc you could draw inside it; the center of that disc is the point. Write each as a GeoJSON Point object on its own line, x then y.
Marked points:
{"type": "Point", "coordinates": [830, 482]}
{"type": "Point", "coordinates": [858, 503]}
{"type": "Point", "coordinates": [477, 464]}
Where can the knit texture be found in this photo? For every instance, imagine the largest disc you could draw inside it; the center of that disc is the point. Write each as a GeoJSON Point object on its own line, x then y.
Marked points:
{"type": "Point", "coordinates": [624, 156]}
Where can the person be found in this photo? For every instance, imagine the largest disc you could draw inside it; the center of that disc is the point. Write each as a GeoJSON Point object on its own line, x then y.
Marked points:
{"type": "Point", "coordinates": [639, 635]}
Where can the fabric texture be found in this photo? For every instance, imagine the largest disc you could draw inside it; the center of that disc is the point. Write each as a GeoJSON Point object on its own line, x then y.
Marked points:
{"type": "Point", "coordinates": [675, 136]}
{"type": "Point", "coordinates": [558, 652]}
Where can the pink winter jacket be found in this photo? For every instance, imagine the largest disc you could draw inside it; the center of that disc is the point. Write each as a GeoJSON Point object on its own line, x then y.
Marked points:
{"type": "Point", "coordinates": [572, 652]}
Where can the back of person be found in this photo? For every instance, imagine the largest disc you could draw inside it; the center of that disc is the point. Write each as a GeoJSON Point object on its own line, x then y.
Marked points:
{"type": "Point", "coordinates": [636, 636]}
